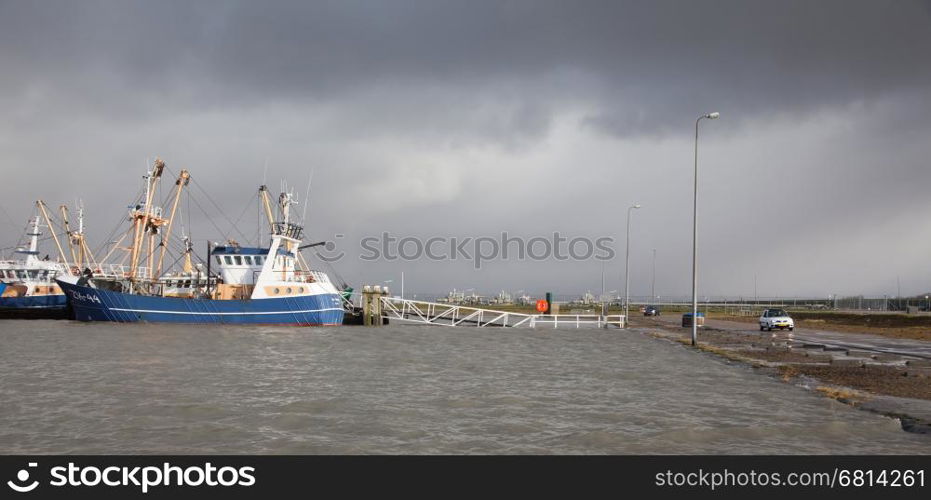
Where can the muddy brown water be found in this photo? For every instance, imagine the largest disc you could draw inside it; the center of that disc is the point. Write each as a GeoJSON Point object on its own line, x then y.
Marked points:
{"type": "Point", "coordinates": [68, 387]}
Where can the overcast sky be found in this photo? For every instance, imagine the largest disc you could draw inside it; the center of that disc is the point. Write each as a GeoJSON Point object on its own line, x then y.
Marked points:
{"type": "Point", "coordinates": [468, 118]}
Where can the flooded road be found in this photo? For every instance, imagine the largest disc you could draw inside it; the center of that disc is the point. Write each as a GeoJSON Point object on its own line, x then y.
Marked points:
{"type": "Point", "coordinates": [849, 340]}
{"type": "Point", "coordinates": [68, 387]}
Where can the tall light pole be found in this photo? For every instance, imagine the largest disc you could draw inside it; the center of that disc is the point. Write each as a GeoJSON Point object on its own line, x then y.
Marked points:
{"type": "Point", "coordinates": [653, 285]}
{"type": "Point", "coordinates": [710, 116]}
{"type": "Point", "coordinates": [627, 270]}
{"type": "Point", "coordinates": [756, 296]}
{"type": "Point", "coordinates": [602, 298]}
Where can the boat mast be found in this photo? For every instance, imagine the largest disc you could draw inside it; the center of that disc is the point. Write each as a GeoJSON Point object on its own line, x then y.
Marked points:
{"type": "Point", "coordinates": [48, 222]}
{"type": "Point", "coordinates": [266, 202]}
{"type": "Point", "coordinates": [141, 218]}
{"type": "Point", "coordinates": [74, 239]}
{"type": "Point", "coordinates": [285, 200]}
{"type": "Point", "coordinates": [188, 249]}
{"type": "Point", "coordinates": [79, 238]}
{"type": "Point", "coordinates": [184, 178]}
{"type": "Point", "coordinates": [33, 252]}
{"type": "Point", "coordinates": [86, 253]}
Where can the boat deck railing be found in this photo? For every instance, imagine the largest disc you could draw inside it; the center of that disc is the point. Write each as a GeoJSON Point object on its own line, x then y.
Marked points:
{"type": "Point", "coordinates": [120, 271]}
{"type": "Point", "coordinates": [288, 229]}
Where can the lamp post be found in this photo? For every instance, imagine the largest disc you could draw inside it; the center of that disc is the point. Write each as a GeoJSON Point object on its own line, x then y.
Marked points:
{"type": "Point", "coordinates": [627, 270]}
{"type": "Point", "coordinates": [602, 298]}
{"type": "Point", "coordinates": [653, 283]}
{"type": "Point", "coordinates": [710, 116]}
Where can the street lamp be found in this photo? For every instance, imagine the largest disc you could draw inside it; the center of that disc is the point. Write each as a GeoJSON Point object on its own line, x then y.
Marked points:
{"type": "Point", "coordinates": [627, 270]}
{"type": "Point", "coordinates": [653, 283]}
{"type": "Point", "coordinates": [710, 116]}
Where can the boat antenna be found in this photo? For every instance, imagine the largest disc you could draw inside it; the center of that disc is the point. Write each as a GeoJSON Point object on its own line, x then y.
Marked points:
{"type": "Point", "coordinates": [307, 198]}
{"type": "Point", "coordinates": [265, 172]}
{"type": "Point", "coordinates": [181, 218]}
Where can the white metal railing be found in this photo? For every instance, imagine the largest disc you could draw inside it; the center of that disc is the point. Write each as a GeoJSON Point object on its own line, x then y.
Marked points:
{"type": "Point", "coordinates": [120, 271]}
{"type": "Point", "coordinates": [110, 270]}
{"type": "Point", "coordinates": [455, 315]}
{"type": "Point", "coordinates": [577, 320]}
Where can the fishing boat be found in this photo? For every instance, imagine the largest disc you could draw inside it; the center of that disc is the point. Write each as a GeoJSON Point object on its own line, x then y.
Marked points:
{"type": "Point", "coordinates": [29, 288]}
{"type": "Point", "coordinates": [235, 284]}
{"type": "Point", "coordinates": [27, 284]}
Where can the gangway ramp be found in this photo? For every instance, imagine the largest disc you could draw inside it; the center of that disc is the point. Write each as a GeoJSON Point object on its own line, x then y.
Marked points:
{"type": "Point", "coordinates": [433, 313]}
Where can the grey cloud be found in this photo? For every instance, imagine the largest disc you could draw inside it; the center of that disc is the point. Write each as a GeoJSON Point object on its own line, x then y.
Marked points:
{"type": "Point", "coordinates": [647, 62]}
{"type": "Point", "coordinates": [497, 110]}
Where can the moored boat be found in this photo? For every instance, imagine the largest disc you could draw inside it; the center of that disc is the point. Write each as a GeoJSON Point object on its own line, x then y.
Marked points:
{"type": "Point", "coordinates": [27, 284]}
{"type": "Point", "coordinates": [235, 284]}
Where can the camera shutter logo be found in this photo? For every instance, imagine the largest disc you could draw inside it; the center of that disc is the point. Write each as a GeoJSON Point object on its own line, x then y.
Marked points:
{"type": "Point", "coordinates": [21, 477]}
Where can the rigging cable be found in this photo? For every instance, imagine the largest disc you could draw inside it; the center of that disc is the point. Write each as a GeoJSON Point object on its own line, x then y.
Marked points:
{"type": "Point", "coordinates": [211, 200]}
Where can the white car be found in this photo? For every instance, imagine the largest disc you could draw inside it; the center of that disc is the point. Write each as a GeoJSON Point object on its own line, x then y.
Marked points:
{"type": "Point", "coordinates": [776, 318]}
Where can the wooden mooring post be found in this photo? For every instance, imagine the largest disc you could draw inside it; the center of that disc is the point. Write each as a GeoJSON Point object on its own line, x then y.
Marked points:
{"type": "Point", "coordinates": [371, 305]}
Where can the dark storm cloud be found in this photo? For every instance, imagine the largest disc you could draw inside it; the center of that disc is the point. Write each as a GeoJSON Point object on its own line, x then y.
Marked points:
{"type": "Point", "coordinates": [643, 62]}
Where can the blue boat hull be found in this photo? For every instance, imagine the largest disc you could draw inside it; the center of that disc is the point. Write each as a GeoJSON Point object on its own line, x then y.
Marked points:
{"type": "Point", "coordinates": [38, 307]}
{"type": "Point", "coordinates": [93, 304]}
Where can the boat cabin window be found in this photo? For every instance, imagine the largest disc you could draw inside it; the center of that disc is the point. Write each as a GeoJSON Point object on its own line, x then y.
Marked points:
{"type": "Point", "coordinates": [258, 260]}
{"type": "Point", "coordinates": [228, 259]}
{"type": "Point", "coordinates": [238, 260]}
{"type": "Point", "coordinates": [219, 261]}
{"type": "Point", "coordinates": [248, 259]}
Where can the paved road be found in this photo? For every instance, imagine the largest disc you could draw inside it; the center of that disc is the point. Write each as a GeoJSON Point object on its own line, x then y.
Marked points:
{"type": "Point", "coordinates": [857, 341]}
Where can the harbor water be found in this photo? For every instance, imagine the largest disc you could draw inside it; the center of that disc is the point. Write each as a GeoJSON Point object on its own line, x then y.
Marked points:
{"type": "Point", "coordinates": [69, 387]}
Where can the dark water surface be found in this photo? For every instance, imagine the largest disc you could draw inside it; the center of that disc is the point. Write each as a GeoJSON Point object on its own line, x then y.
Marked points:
{"type": "Point", "coordinates": [68, 387]}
